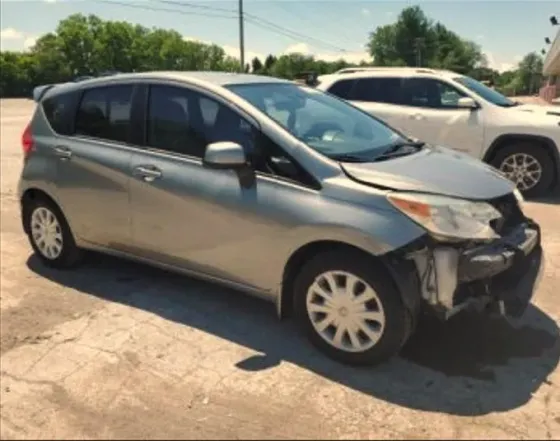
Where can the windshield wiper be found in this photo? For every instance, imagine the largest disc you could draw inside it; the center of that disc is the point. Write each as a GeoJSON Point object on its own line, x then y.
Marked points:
{"type": "Point", "coordinates": [401, 149]}
{"type": "Point", "coordinates": [347, 158]}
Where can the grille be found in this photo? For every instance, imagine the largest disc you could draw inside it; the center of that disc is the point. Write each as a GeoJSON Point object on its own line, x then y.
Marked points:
{"type": "Point", "coordinates": [512, 215]}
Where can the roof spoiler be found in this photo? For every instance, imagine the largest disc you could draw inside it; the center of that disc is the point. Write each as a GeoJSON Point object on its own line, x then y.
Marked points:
{"type": "Point", "coordinates": [307, 78]}
{"type": "Point", "coordinates": [40, 91]}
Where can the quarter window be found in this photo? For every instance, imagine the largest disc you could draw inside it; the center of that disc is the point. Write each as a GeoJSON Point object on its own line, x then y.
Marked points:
{"type": "Point", "coordinates": [104, 113]}
{"type": "Point", "coordinates": [57, 110]}
{"type": "Point", "coordinates": [342, 88]}
{"type": "Point", "coordinates": [184, 121]}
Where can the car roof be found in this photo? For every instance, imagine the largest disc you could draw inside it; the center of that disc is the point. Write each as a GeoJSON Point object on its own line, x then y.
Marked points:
{"type": "Point", "coordinates": [208, 79]}
{"type": "Point", "coordinates": [398, 72]}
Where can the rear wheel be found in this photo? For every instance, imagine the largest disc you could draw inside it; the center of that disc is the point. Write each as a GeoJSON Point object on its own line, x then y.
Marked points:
{"type": "Point", "coordinates": [49, 234]}
{"type": "Point", "coordinates": [350, 308]}
{"type": "Point", "coordinates": [528, 166]}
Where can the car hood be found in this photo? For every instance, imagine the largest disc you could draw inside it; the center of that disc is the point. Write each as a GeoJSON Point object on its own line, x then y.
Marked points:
{"type": "Point", "coordinates": [434, 170]}
{"type": "Point", "coordinates": [539, 110]}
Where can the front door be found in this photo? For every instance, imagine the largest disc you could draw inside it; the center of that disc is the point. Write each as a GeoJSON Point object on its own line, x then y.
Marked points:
{"type": "Point", "coordinates": [201, 219]}
{"type": "Point", "coordinates": [430, 113]}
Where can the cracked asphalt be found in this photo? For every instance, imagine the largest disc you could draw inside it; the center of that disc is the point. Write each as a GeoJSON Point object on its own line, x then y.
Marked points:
{"type": "Point", "coordinates": [119, 350]}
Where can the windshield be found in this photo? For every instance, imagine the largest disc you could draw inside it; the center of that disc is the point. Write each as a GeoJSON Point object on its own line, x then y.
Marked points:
{"type": "Point", "coordinates": [327, 124]}
{"type": "Point", "coordinates": [485, 92]}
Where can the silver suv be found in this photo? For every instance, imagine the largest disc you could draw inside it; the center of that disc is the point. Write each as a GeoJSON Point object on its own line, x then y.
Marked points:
{"type": "Point", "coordinates": [278, 190]}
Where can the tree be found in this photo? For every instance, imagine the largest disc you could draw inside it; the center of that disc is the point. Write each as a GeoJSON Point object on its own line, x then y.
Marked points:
{"type": "Point", "coordinates": [256, 65]}
{"type": "Point", "coordinates": [414, 40]}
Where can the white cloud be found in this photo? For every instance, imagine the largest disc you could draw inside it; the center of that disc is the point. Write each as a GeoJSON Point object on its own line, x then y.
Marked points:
{"type": "Point", "coordinates": [366, 12]}
{"type": "Point", "coordinates": [350, 57]}
{"type": "Point", "coordinates": [500, 64]}
{"type": "Point", "coordinates": [50, 1]}
{"type": "Point", "coordinates": [301, 48]}
{"type": "Point", "coordinates": [11, 34]}
{"type": "Point", "coordinates": [29, 42]}
{"type": "Point", "coordinates": [12, 39]}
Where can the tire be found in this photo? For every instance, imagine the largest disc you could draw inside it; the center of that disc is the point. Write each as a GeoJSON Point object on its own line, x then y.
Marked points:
{"type": "Point", "coordinates": [61, 237]}
{"type": "Point", "coordinates": [537, 154]}
{"type": "Point", "coordinates": [393, 330]}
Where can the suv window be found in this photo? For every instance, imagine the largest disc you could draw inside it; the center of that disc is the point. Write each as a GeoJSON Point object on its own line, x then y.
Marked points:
{"type": "Point", "coordinates": [104, 113]}
{"type": "Point", "coordinates": [57, 110]}
{"type": "Point", "coordinates": [342, 88]}
{"type": "Point", "coordinates": [430, 93]}
{"type": "Point", "coordinates": [378, 90]}
{"type": "Point", "coordinates": [183, 121]}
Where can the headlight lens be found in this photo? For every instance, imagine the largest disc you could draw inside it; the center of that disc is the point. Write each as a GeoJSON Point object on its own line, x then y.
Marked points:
{"type": "Point", "coordinates": [448, 218]}
{"type": "Point", "coordinates": [519, 197]}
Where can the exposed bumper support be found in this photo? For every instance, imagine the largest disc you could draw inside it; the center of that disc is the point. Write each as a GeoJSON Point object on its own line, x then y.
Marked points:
{"type": "Point", "coordinates": [503, 274]}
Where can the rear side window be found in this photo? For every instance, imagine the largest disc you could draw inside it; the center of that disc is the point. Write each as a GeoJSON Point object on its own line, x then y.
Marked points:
{"type": "Point", "coordinates": [378, 90]}
{"type": "Point", "coordinates": [104, 113]}
{"type": "Point", "coordinates": [58, 110]}
{"type": "Point", "coordinates": [342, 88]}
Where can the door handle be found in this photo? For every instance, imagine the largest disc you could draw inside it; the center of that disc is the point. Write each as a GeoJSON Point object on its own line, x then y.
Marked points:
{"type": "Point", "coordinates": [64, 153]}
{"type": "Point", "coordinates": [147, 172]}
{"type": "Point", "coordinates": [416, 116]}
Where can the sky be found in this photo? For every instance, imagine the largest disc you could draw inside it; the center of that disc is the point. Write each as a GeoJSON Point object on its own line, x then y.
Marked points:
{"type": "Point", "coordinates": [506, 30]}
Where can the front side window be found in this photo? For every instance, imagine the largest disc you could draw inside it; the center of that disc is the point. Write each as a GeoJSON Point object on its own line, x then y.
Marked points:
{"type": "Point", "coordinates": [183, 121]}
{"type": "Point", "coordinates": [430, 93]}
{"type": "Point", "coordinates": [104, 113]}
{"type": "Point", "coordinates": [485, 92]}
{"type": "Point", "coordinates": [378, 90]}
{"type": "Point", "coordinates": [325, 123]}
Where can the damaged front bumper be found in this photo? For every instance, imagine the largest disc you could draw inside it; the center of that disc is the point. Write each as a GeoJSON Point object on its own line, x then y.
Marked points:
{"type": "Point", "coordinates": [500, 276]}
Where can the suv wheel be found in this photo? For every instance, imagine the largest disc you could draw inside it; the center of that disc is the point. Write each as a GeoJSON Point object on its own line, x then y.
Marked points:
{"type": "Point", "coordinates": [528, 166]}
{"type": "Point", "coordinates": [350, 310]}
{"type": "Point", "coordinates": [49, 234]}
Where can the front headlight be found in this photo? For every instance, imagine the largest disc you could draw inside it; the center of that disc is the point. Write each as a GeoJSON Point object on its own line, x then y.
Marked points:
{"type": "Point", "coordinates": [448, 218]}
{"type": "Point", "coordinates": [520, 198]}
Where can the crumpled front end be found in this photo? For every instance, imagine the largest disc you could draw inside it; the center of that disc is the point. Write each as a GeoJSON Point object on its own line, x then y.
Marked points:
{"type": "Point", "coordinates": [499, 275]}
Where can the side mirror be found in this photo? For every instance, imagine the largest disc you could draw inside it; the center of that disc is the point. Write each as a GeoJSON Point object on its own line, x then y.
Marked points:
{"type": "Point", "coordinates": [467, 103]}
{"type": "Point", "coordinates": [224, 155]}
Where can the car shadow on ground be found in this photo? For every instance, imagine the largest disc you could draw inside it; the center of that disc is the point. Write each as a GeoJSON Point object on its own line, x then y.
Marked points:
{"type": "Point", "coordinates": [551, 199]}
{"type": "Point", "coordinates": [470, 366]}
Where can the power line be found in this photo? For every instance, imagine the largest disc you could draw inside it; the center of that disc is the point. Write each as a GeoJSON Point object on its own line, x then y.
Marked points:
{"type": "Point", "coordinates": [220, 13]}
{"type": "Point", "coordinates": [159, 9]}
{"type": "Point", "coordinates": [263, 23]}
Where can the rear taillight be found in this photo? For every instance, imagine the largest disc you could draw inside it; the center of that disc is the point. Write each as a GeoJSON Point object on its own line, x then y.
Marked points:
{"type": "Point", "coordinates": [27, 141]}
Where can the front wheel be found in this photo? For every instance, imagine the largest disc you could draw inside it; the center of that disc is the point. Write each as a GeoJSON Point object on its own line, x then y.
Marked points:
{"type": "Point", "coordinates": [350, 308]}
{"type": "Point", "coordinates": [528, 166]}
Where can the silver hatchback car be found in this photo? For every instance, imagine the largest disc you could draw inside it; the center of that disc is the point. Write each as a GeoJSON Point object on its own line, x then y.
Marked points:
{"type": "Point", "coordinates": [281, 191]}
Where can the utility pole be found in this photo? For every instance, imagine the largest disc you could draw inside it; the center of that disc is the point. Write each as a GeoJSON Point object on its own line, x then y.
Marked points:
{"type": "Point", "coordinates": [241, 37]}
{"type": "Point", "coordinates": [418, 45]}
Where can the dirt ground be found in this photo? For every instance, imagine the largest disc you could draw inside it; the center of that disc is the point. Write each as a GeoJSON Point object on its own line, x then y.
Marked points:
{"type": "Point", "coordinates": [119, 350]}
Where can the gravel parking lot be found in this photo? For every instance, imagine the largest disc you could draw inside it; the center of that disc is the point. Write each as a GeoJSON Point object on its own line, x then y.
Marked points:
{"type": "Point", "coordinates": [118, 350]}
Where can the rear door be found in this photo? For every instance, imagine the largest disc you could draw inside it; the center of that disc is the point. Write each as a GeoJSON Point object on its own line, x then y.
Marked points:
{"type": "Point", "coordinates": [380, 96]}
{"type": "Point", "coordinates": [430, 113]}
{"type": "Point", "coordinates": [94, 166]}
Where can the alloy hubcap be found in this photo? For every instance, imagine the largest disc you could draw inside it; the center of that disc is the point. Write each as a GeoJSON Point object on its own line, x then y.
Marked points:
{"type": "Point", "coordinates": [522, 169]}
{"type": "Point", "coordinates": [345, 311]}
{"type": "Point", "coordinates": [46, 232]}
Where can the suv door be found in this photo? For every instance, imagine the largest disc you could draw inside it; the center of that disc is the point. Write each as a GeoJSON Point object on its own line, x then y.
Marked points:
{"type": "Point", "coordinates": [379, 96]}
{"type": "Point", "coordinates": [432, 115]}
{"type": "Point", "coordinates": [94, 165]}
{"type": "Point", "coordinates": [203, 219]}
